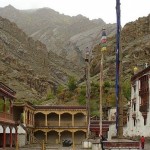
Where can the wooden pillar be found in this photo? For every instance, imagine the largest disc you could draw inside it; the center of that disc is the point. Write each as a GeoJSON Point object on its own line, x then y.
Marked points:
{"type": "Point", "coordinates": [73, 140]}
{"type": "Point", "coordinates": [10, 137]}
{"type": "Point", "coordinates": [16, 135]}
{"type": "Point", "coordinates": [4, 137]}
{"type": "Point", "coordinates": [32, 137]}
{"type": "Point", "coordinates": [27, 117]}
{"type": "Point", "coordinates": [59, 134]}
{"type": "Point", "coordinates": [33, 119]}
{"type": "Point", "coordinates": [11, 107]}
{"type": "Point", "coordinates": [4, 106]}
{"type": "Point", "coordinates": [59, 119]}
{"type": "Point", "coordinates": [46, 120]}
{"type": "Point", "coordinates": [30, 118]}
{"type": "Point", "coordinates": [45, 137]}
{"type": "Point", "coordinates": [24, 116]}
{"type": "Point", "coordinates": [73, 120]}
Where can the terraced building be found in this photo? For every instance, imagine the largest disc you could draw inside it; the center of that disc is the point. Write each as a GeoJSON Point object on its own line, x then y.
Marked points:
{"type": "Point", "coordinates": [52, 124]}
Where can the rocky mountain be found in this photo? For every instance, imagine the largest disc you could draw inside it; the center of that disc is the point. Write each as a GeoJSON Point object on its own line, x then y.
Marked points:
{"type": "Point", "coordinates": [55, 47]}
{"type": "Point", "coordinates": [26, 65]}
{"type": "Point", "coordinates": [135, 47]}
{"type": "Point", "coordinates": [64, 35]}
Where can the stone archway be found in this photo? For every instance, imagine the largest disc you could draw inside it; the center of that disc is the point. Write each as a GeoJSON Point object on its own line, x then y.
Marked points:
{"type": "Point", "coordinates": [66, 119]}
{"type": "Point", "coordinates": [66, 135]}
{"type": "Point", "coordinates": [53, 119]}
{"type": "Point", "coordinates": [79, 136]}
{"type": "Point", "coordinates": [39, 135]}
{"type": "Point", "coordinates": [39, 119]}
{"type": "Point", "coordinates": [79, 119]}
{"type": "Point", "coordinates": [52, 137]}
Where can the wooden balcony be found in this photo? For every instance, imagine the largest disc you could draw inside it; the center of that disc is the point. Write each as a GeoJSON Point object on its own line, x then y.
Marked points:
{"type": "Point", "coordinates": [62, 124]}
{"type": "Point", "coordinates": [144, 108]}
{"type": "Point", "coordinates": [144, 91]}
{"type": "Point", "coordinates": [6, 118]}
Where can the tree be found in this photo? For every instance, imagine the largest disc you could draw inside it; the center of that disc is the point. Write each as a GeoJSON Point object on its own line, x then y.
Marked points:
{"type": "Point", "coordinates": [72, 83]}
{"type": "Point", "coordinates": [127, 89]}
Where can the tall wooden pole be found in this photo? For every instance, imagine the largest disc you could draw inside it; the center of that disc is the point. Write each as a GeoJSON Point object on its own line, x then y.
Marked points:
{"type": "Point", "coordinates": [88, 89]}
{"type": "Point", "coordinates": [103, 48]}
{"type": "Point", "coordinates": [101, 93]}
{"type": "Point", "coordinates": [119, 102]}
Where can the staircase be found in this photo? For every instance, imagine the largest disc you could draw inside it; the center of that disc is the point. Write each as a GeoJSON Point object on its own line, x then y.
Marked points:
{"type": "Point", "coordinates": [38, 143]}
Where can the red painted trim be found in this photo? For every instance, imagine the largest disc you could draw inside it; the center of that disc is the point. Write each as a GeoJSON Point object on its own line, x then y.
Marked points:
{"type": "Point", "coordinates": [4, 137]}
{"type": "Point", "coordinates": [10, 137]}
{"type": "Point", "coordinates": [6, 88]}
{"type": "Point", "coordinates": [16, 136]}
{"type": "Point", "coordinates": [7, 93]}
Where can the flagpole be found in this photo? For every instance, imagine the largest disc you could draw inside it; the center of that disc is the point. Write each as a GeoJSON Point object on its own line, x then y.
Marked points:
{"type": "Point", "coordinates": [119, 103]}
{"type": "Point", "coordinates": [103, 48]}
{"type": "Point", "coordinates": [88, 89]}
{"type": "Point", "coordinates": [101, 92]}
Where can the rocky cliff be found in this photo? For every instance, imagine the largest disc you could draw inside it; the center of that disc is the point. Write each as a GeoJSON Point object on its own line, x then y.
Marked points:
{"type": "Point", "coordinates": [64, 35]}
{"type": "Point", "coordinates": [26, 65]}
{"type": "Point", "coordinates": [135, 47]}
{"type": "Point", "coordinates": [32, 68]}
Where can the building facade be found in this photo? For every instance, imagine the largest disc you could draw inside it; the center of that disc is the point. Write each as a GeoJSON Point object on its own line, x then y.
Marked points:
{"type": "Point", "coordinates": [138, 122]}
{"type": "Point", "coordinates": [8, 126]}
{"type": "Point", "coordinates": [53, 124]}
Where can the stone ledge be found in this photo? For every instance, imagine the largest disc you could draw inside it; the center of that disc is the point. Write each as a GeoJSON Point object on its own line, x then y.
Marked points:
{"type": "Point", "coordinates": [121, 144]}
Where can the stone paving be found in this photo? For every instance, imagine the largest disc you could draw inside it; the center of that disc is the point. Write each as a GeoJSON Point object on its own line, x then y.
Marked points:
{"type": "Point", "coordinates": [59, 147]}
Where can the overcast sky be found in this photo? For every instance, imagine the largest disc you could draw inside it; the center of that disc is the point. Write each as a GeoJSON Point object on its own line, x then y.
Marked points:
{"type": "Point", "coordinates": [92, 9]}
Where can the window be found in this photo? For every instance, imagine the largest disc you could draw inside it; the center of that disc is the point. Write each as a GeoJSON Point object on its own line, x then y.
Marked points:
{"type": "Point", "coordinates": [134, 121]}
{"type": "Point", "coordinates": [144, 121]}
{"type": "Point", "coordinates": [134, 106]}
{"type": "Point", "coordinates": [134, 88]}
{"type": "Point", "coordinates": [128, 117]}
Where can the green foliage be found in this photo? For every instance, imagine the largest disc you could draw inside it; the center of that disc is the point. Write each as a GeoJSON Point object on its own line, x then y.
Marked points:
{"type": "Point", "coordinates": [60, 89]}
{"type": "Point", "coordinates": [94, 90]}
{"type": "Point", "coordinates": [111, 99]}
{"type": "Point", "coordinates": [82, 100]}
{"type": "Point", "coordinates": [72, 84]}
{"type": "Point", "coordinates": [82, 96]}
{"type": "Point", "coordinates": [106, 86]}
{"type": "Point", "coordinates": [50, 95]}
{"type": "Point", "coordinates": [126, 88]}
{"type": "Point", "coordinates": [94, 107]}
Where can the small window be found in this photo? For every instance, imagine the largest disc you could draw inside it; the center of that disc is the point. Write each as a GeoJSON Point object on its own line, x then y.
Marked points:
{"type": "Point", "coordinates": [134, 122]}
{"type": "Point", "coordinates": [134, 105]}
{"type": "Point", "coordinates": [144, 121]}
{"type": "Point", "coordinates": [134, 88]}
{"type": "Point", "coordinates": [128, 117]}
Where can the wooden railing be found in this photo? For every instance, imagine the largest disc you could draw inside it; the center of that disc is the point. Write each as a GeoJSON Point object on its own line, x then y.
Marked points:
{"type": "Point", "coordinates": [6, 116]}
{"type": "Point", "coordinates": [144, 108]}
{"type": "Point", "coordinates": [62, 124]}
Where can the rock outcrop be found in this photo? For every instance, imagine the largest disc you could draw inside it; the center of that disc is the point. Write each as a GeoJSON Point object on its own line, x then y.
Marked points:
{"type": "Point", "coordinates": [135, 47]}
{"type": "Point", "coordinates": [26, 65]}
{"type": "Point", "coordinates": [64, 35]}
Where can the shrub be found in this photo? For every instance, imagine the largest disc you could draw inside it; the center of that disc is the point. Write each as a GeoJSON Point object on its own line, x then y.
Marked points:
{"type": "Point", "coordinates": [72, 84]}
